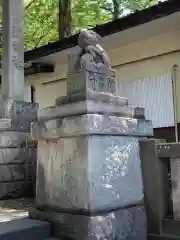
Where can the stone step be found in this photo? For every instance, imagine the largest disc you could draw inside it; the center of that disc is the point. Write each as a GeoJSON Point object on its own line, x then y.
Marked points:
{"type": "Point", "coordinates": [25, 228]}
{"type": "Point", "coordinates": [166, 237]}
{"type": "Point", "coordinates": [52, 239]}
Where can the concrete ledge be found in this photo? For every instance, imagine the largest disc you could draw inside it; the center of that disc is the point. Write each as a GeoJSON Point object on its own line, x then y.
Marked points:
{"type": "Point", "coordinates": [91, 124]}
{"type": "Point", "coordinates": [94, 96]}
{"type": "Point", "coordinates": [28, 229]}
{"type": "Point", "coordinates": [89, 106]}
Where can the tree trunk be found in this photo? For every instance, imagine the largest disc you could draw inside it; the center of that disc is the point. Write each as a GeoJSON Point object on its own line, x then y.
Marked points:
{"type": "Point", "coordinates": [65, 18]}
{"type": "Point", "coordinates": [115, 9]}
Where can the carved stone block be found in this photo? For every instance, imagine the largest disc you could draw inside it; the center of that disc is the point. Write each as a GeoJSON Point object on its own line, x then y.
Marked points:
{"type": "Point", "coordinates": [20, 113]}
{"type": "Point", "coordinates": [129, 223]}
{"type": "Point", "coordinates": [94, 96]}
{"type": "Point", "coordinates": [90, 106]}
{"type": "Point", "coordinates": [89, 173]}
{"type": "Point", "coordinates": [86, 80]}
{"type": "Point", "coordinates": [91, 124]}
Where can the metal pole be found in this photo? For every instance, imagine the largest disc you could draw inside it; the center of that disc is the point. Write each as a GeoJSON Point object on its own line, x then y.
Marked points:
{"type": "Point", "coordinates": [174, 75]}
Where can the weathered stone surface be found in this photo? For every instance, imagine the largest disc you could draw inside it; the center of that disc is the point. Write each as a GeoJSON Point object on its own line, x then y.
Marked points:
{"type": "Point", "coordinates": [89, 106]}
{"type": "Point", "coordinates": [88, 41]}
{"type": "Point", "coordinates": [12, 156]}
{"type": "Point", "coordinates": [6, 124]}
{"type": "Point", "coordinates": [12, 189]}
{"type": "Point", "coordinates": [94, 96]}
{"type": "Point", "coordinates": [17, 164]}
{"type": "Point", "coordinates": [82, 81]}
{"type": "Point", "coordinates": [89, 174]}
{"type": "Point", "coordinates": [175, 179]}
{"type": "Point", "coordinates": [13, 138]}
{"type": "Point", "coordinates": [122, 224]}
{"type": "Point", "coordinates": [90, 67]}
{"type": "Point", "coordinates": [17, 180]}
{"type": "Point", "coordinates": [31, 172]}
{"type": "Point", "coordinates": [30, 189]}
{"type": "Point", "coordinates": [91, 124]}
{"type": "Point", "coordinates": [10, 173]}
{"type": "Point", "coordinates": [21, 114]}
{"type": "Point", "coordinates": [31, 155]}
{"type": "Point", "coordinates": [88, 161]}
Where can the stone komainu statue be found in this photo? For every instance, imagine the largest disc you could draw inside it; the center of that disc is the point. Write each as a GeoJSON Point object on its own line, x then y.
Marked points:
{"type": "Point", "coordinates": [91, 56]}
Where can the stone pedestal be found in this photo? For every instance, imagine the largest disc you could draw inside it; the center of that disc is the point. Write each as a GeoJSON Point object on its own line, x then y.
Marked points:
{"type": "Point", "coordinates": [175, 179]}
{"type": "Point", "coordinates": [126, 223]}
{"type": "Point", "coordinates": [89, 180]}
{"type": "Point", "coordinates": [17, 153]}
{"type": "Point", "coordinates": [89, 80]}
{"type": "Point", "coordinates": [17, 150]}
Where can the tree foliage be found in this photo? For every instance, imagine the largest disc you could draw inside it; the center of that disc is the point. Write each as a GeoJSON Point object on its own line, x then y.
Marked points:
{"type": "Point", "coordinates": [41, 22]}
{"type": "Point", "coordinates": [49, 20]}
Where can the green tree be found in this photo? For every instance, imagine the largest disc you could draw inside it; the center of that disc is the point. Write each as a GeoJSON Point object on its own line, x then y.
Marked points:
{"type": "Point", "coordinates": [41, 22]}
{"type": "Point", "coordinates": [118, 8]}
{"type": "Point", "coordinates": [65, 18]}
{"type": "Point", "coordinates": [49, 20]}
{"type": "Point", "coordinates": [88, 13]}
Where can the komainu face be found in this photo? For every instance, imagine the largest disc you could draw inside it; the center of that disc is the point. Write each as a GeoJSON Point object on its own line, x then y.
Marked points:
{"type": "Point", "coordinates": [88, 37]}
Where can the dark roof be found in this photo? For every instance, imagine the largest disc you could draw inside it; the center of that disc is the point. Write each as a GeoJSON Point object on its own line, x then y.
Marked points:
{"type": "Point", "coordinates": [140, 17]}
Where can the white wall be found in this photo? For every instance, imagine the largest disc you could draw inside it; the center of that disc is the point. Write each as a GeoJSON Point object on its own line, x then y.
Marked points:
{"type": "Point", "coordinates": [155, 95]}
{"type": "Point", "coordinates": [139, 60]}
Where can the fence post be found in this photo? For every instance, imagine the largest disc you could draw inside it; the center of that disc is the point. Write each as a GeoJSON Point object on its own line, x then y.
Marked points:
{"type": "Point", "coordinates": [154, 173]}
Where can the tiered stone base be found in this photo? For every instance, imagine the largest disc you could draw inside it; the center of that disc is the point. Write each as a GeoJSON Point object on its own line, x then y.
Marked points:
{"type": "Point", "coordinates": [89, 180]}
{"type": "Point", "coordinates": [128, 223]}
{"type": "Point", "coordinates": [17, 151]}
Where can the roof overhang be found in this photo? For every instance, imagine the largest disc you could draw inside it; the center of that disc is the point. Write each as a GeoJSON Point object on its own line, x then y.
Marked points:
{"type": "Point", "coordinates": [142, 32]}
{"type": "Point", "coordinates": [154, 20]}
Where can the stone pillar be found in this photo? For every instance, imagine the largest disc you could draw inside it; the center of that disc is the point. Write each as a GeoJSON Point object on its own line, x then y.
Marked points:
{"type": "Point", "coordinates": [16, 155]}
{"type": "Point", "coordinates": [89, 181]}
{"type": "Point", "coordinates": [13, 50]}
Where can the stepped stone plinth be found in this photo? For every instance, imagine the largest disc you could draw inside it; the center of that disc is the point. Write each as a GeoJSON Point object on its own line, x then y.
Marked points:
{"type": "Point", "coordinates": [17, 150]}
{"type": "Point", "coordinates": [16, 160]}
{"type": "Point", "coordinates": [89, 181]}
